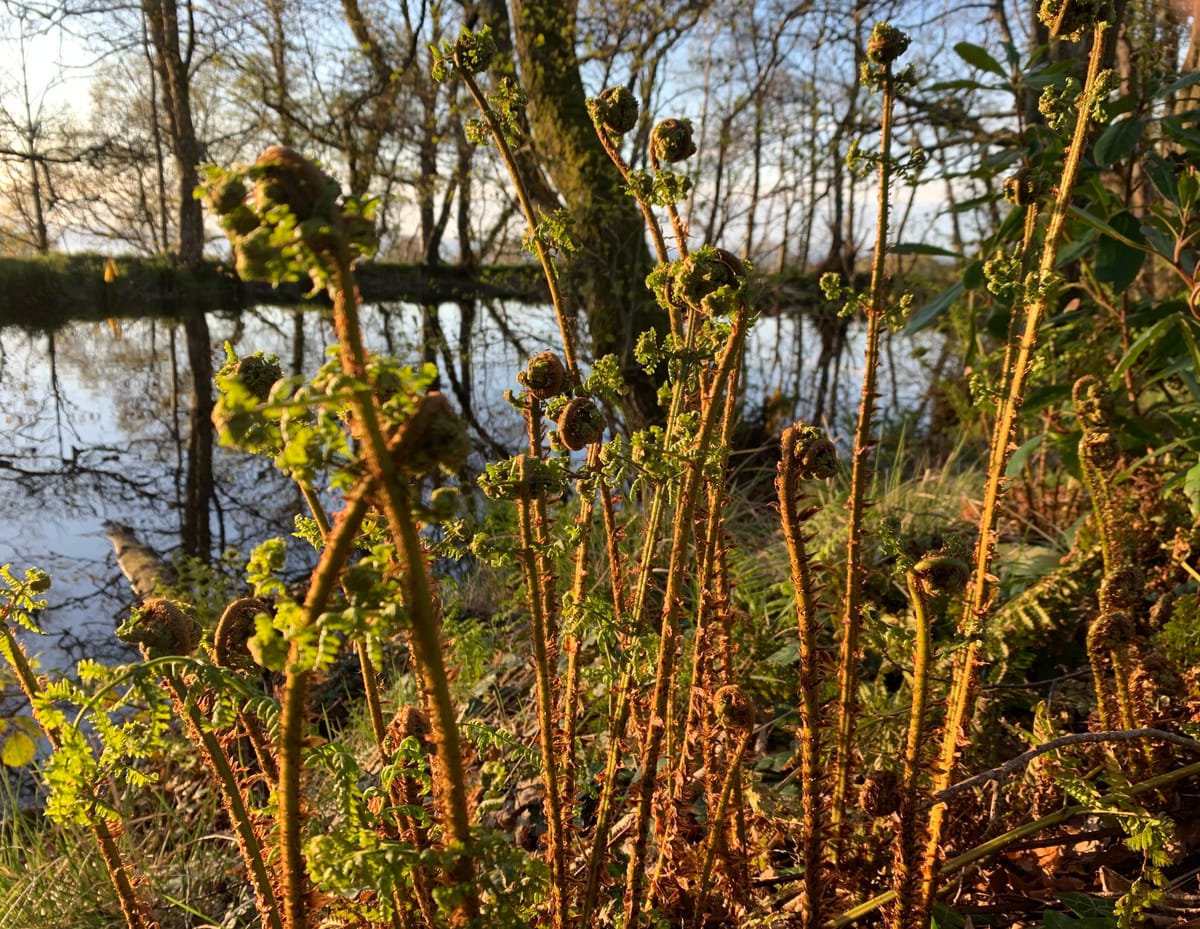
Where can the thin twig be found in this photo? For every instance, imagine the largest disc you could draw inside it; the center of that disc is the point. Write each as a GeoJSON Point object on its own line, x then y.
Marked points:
{"type": "Point", "coordinates": [1000, 772]}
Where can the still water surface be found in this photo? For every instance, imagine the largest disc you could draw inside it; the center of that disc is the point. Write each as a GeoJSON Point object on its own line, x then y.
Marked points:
{"type": "Point", "coordinates": [94, 425]}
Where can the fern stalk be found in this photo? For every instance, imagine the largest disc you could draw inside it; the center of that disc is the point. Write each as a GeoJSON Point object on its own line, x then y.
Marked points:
{"type": "Point", "coordinates": [965, 681]}
{"type": "Point", "coordinates": [569, 704]}
{"type": "Point", "coordinates": [531, 527]}
{"type": "Point", "coordinates": [366, 666]}
{"type": "Point", "coordinates": [812, 827]}
{"type": "Point", "coordinates": [656, 236]}
{"type": "Point", "coordinates": [716, 822]}
{"type": "Point", "coordinates": [708, 578]}
{"type": "Point", "coordinates": [566, 324]}
{"type": "Point", "coordinates": [338, 546]}
{"type": "Point", "coordinates": [235, 803]}
{"type": "Point", "coordinates": [998, 843]}
{"type": "Point", "coordinates": [604, 814]}
{"type": "Point", "coordinates": [907, 913]}
{"type": "Point", "coordinates": [860, 477]}
{"type": "Point", "coordinates": [395, 498]}
{"type": "Point", "coordinates": [664, 678]}
{"type": "Point", "coordinates": [619, 719]}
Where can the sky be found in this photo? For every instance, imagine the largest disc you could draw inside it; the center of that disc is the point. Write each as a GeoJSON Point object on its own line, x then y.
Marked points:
{"type": "Point", "coordinates": [56, 67]}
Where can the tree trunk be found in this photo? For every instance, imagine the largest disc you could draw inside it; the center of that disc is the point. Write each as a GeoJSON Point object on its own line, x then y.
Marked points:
{"type": "Point", "coordinates": [606, 277]}
{"type": "Point", "coordinates": [142, 566]}
{"type": "Point", "coordinates": [172, 65]}
{"type": "Point", "coordinates": [277, 43]}
{"type": "Point", "coordinates": [41, 238]}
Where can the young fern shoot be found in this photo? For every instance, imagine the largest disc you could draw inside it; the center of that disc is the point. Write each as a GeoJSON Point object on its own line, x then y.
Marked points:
{"type": "Point", "coordinates": [885, 46]}
{"type": "Point", "coordinates": [1039, 287]}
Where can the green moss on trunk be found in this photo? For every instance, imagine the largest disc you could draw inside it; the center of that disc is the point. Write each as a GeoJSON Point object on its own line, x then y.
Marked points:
{"type": "Point", "coordinates": [606, 278]}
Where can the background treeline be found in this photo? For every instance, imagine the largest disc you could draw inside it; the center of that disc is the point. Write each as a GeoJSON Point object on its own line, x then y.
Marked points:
{"type": "Point", "coordinates": [107, 107]}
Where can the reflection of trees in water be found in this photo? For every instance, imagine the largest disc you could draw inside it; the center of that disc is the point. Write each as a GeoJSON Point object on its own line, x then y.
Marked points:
{"type": "Point", "coordinates": [107, 423]}
{"type": "Point", "coordinates": [478, 348]}
{"type": "Point", "coordinates": [199, 495]}
{"type": "Point", "coordinates": [65, 448]}
{"type": "Point", "coordinates": [806, 363]}
{"type": "Point", "coordinates": [60, 471]}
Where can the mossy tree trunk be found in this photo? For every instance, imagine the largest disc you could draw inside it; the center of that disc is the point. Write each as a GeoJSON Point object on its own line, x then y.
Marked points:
{"type": "Point", "coordinates": [606, 277]}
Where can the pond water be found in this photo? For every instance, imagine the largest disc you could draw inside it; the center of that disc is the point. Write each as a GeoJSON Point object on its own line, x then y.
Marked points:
{"type": "Point", "coordinates": [95, 420]}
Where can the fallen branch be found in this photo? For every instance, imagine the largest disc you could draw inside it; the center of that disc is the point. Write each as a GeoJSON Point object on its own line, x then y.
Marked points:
{"type": "Point", "coordinates": [1001, 772]}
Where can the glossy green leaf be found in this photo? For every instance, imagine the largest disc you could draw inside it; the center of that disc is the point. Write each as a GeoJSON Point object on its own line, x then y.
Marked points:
{"type": "Point", "coordinates": [1161, 173]}
{"type": "Point", "coordinates": [1186, 81]}
{"type": "Point", "coordinates": [1073, 250]}
{"type": "Point", "coordinates": [1126, 103]}
{"type": "Point", "coordinates": [1101, 225]}
{"type": "Point", "coordinates": [1180, 131]}
{"type": "Point", "coordinates": [1116, 262]}
{"type": "Point", "coordinates": [1048, 395]}
{"type": "Point", "coordinates": [1118, 140]}
{"type": "Point", "coordinates": [920, 248]}
{"type": "Point", "coordinates": [1022, 455]}
{"type": "Point", "coordinates": [1044, 77]}
{"type": "Point", "coordinates": [1147, 339]}
{"type": "Point", "coordinates": [1162, 243]}
{"type": "Point", "coordinates": [979, 58]}
{"type": "Point", "coordinates": [943, 86]}
{"type": "Point", "coordinates": [1188, 335]}
{"type": "Point", "coordinates": [926, 315]}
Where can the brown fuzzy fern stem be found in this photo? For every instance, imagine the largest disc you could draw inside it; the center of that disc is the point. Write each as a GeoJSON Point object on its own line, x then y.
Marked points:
{"type": "Point", "coordinates": [711, 577]}
{"type": "Point", "coordinates": [861, 470]}
{"type": "Point", "coordinates": [677, 574]}
{"type": "Point", "coordinates": [569, 701]}
{"type": "Point", "coordinates": [532, 547]}
{"type": "Point", "coordinates": [231, 651]}
{"type": "Point", "coordinates": [338, 546]}
{"type": "Point", "coordinates": [235, 803]}
{"type": "Point", "coordinates": [926, 584]}
{"type": "Point", "coordinates": [806, 455]}
{"type": "Point", "coordinates": [961, 701]}
{"type": "Point", "coordinates": [1114, 651]}
{"type": "Point", "coordinates": [369, 677]}
{"type": "Point", "coordinates": [609, 138]}
{"type": "Point", "coordinates": [566, 323]}
{"type": "Point", "coordinates": [605, 813]}
{"type": "Point", "coordinates": [410, 723]}
{"type": "Point", "coordinates": [735, 713]}
{"type": "Point", "coordinates": [995, 845]}
{"type": "Point", "coordinates": [395, 497]}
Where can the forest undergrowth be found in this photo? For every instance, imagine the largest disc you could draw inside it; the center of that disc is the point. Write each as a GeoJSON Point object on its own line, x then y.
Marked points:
{"type": "Point", "coordinates": [616, 682]}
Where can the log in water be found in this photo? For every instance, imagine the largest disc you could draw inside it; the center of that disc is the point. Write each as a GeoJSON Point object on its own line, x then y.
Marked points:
{"type": "Point", "coordinates": [141, 565]}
